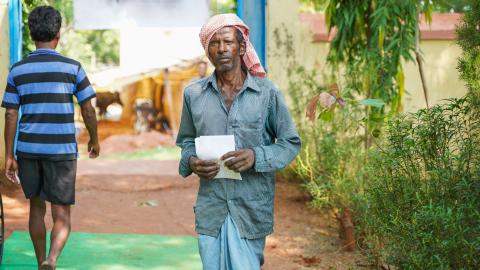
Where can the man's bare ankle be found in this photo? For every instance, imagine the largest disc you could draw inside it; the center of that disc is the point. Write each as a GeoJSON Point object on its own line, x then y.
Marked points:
{"type": "Point", "coordinates": [52, 262]}
{"type": "Point", "coordinates": [47, 266]}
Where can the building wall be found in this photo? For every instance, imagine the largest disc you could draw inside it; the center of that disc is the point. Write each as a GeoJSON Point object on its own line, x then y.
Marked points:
{"type": "Point", "coordinates": [442, 76]}
{"type": "Point", "coordinates": [4, 64]}
{"type": "Point", "coordinates": [290, 40]}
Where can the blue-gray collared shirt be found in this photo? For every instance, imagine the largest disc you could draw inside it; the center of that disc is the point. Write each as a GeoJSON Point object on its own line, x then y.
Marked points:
{"type": "Point", "coordinates": [259, 119]}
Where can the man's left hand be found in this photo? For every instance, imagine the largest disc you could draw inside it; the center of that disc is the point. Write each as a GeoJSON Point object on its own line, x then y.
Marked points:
{"type": "Point", "coordinates": [11, 170]}
{"type": "Point", "coordinates": [240, 160]}
{"type": "Point", "coordinates": [93, 149]}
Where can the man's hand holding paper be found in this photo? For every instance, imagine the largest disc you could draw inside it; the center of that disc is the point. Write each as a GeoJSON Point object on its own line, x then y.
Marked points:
{"type": "Point", "coordinates": [213, 153]}
{"type": "Point", "coordinates": [240, 160]}
{"type": "Point", "coordinates": [204, 168]}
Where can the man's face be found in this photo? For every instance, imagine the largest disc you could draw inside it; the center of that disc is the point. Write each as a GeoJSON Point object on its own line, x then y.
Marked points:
{"type": "Point", "coordinates": [224, 51]}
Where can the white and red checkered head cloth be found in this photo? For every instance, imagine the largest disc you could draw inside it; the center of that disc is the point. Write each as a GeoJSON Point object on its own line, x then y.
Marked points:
{"type": "Point", "coordinates": [217, 22]}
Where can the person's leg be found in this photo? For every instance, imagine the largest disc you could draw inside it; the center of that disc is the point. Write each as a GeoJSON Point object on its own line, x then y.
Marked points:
{"type": "Point", "coordinates": [59, 190]}
{"type": "Point", "coordinates": [228, 251]}
{"type": "Point", "coordinates": [60, 232]}
{"type": "Point", "coordinates": [31, 179]}
{"type": "Point", "coordinates": [242, 253]}
{"type": "Point", "coordinates": [37, 229]}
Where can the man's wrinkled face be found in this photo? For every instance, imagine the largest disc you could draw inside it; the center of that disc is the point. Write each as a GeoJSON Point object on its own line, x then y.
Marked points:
{"type": "Point", "coordinates": [224, 50]}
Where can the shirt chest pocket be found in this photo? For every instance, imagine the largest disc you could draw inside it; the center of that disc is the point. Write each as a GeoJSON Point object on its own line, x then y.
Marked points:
{"type": "Point", "coordinates": [248, 132]}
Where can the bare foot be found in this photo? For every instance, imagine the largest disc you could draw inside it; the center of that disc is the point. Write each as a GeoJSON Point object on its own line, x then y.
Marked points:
{"type": "Point", "coordinates": [46, 266]}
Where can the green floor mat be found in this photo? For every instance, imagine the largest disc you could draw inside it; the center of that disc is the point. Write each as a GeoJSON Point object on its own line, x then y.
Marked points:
{"type": "Point", "coordinates": [88, 251]}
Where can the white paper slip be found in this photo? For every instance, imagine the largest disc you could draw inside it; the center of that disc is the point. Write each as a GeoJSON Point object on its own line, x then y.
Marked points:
{"type": "Point", "coordinates": [213, 148]}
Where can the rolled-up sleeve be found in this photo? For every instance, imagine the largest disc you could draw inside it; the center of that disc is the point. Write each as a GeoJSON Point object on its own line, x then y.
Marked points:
{"type": "Point", "coordinates": [186, 138]}
{"type": "Point", "coordinates": [270, 158]}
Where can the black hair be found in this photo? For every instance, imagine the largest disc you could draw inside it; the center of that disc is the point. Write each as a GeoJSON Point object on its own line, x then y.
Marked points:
{"type": "Point", "coordinates": [240, 37]}
{"type": "Point", "coordinates": [44, 23]}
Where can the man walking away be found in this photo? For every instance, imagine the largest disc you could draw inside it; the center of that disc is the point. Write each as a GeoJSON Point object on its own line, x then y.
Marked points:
{"type": "Point", "coordinates": [43, 86]}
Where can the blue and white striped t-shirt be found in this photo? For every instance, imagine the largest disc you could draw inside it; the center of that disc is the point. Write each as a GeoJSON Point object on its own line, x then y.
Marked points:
{"type": "Point", "coordinates": [43, 86]}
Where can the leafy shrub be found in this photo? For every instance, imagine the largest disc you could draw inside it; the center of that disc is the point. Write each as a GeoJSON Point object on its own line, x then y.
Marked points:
{"type": "Point", "coordinates": [332, 158]}
{"type": "Point", "coordinates": [424, 189]}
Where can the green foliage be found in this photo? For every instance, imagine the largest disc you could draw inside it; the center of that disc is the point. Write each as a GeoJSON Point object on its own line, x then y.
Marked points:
{"type": "Point", "coordinates": [372, 38]}
{"type": "Point", "coordinates": [27, 7]}
{"type": "Point", "coordinates": [93, 48]}
{"type": "Point", "coordinates": [223, 6]}
{"type": "Point", "coordinates": [423, 193]}
{"type": "Point", "coordinates": [312, 5]}
{"type": "Point", "coordinates": [158, 153]}
{"type": "Point", "coordinates": [469, 40]}
{"type": "Point", "coordinates": [377, 103]}
{"type": "Point", "coordinates": [437, 5]}
{"type": "Point", "coordinates": [98, 47]}
{"type": "Point", "coordinates": [424, 189]}
{"type": "Point", "coordinates": [451, 5]}
{"type": "Point", "coordinates": [332, 157]}
{"type": "Point", "coordinates": [416, 193]}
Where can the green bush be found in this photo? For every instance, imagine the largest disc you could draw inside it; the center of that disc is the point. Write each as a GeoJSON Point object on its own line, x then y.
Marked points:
{"type": "Point", "coordinates": [415, 189]}
{"type": "Point", "coordinates": [424, 189]}
{"type": "Point", "coordinates": [468, 32]}
{"type": "Point", "coordinates": [331, 162]}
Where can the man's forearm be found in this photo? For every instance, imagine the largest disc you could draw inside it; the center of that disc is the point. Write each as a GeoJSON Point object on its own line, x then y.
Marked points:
{"type": "Point", "coordinates": [11, 119]}
{"type": "Point", "coordinates": [271, 158]}
{"type": "Point", "coordinates": [188, 151]}
{"type": "Point", "coordinates": [90, 120]}
{"type": "Point", "coordinates": [186, 138]}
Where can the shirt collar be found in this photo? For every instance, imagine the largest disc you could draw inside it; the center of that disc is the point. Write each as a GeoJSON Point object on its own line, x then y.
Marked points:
{"type": "Point", "coordinates": [44, 51]}
{"type": "Point", "coordinates": [250, 83]}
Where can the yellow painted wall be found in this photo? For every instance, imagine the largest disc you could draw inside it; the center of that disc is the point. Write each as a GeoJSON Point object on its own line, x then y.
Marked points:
{"type": "Point", "coordinates": [442, 76]}
{"type": "Point", "coordinates": [4, 64]}
{"type": "Point", "coordinates": [440, 57]}
{"type": "Point", "coordinates": [283, 27]}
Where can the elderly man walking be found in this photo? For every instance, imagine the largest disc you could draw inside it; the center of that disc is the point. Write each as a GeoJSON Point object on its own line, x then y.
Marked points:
{"type": "Point", "coordinates": [233, 217]}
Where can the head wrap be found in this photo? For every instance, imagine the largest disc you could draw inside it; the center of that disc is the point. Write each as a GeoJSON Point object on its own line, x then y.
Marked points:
{"type": "Point", "coordinates": [217, 22]}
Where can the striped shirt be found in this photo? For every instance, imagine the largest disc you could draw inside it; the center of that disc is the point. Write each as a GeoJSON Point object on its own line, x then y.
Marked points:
{"type": "Point", "coordinates": [43, 86]}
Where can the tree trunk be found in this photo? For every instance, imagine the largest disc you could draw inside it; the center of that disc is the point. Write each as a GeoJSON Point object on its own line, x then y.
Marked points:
{"type": "Point", "coordinates": [420, 60]}
{"type": "Point", "coordinates": [348, 230]}
{"type": "Point", "coordinates": [422, 76]}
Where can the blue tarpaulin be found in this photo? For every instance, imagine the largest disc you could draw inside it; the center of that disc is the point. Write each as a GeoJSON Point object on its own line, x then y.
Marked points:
{"type": "Point", "coordinates": [15, 23]}
{"type": "Point", "coordinates": [252, 12]}
{"type": "Point", "coordinates": [15, 28]}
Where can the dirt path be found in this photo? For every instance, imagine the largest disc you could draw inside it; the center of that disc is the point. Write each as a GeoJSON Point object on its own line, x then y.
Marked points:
{"type": "Point", "coordinates": [147, 197]}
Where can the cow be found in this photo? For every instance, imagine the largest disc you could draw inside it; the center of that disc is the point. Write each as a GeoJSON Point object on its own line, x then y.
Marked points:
{"type": "Point", "coordinates": [105, 99]}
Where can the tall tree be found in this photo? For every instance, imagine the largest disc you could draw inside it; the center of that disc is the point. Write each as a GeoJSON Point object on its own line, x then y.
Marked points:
{"type": "Point", "coordinates": [372, 37]}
